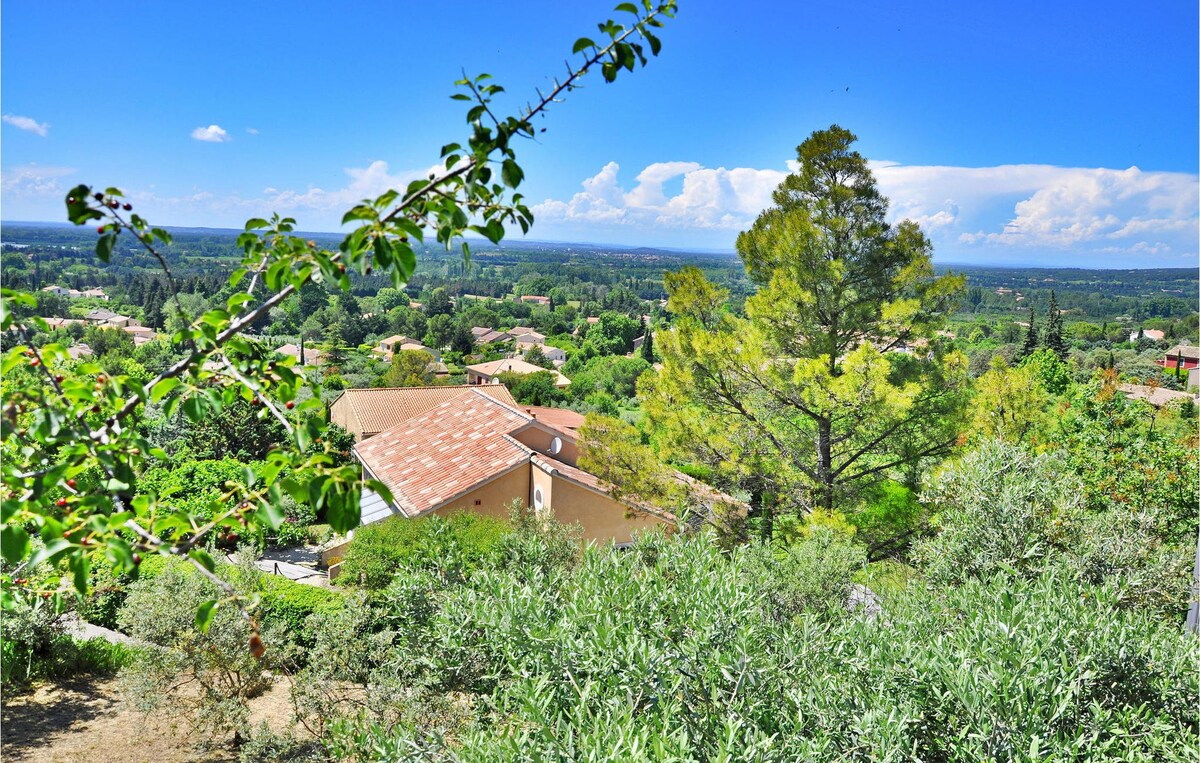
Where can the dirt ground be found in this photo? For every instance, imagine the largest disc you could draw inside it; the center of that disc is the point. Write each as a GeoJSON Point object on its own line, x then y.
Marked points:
{"type": "Point", "coordinates": [85, 722]}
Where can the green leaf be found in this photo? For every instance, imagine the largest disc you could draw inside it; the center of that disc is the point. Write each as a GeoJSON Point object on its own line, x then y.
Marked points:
{"type": "Point", "coordinates": [51, 552]}
{"type": "Point", "coordinates": [583, 43]}
{"type": "Point", "coordinates": [204, 615]}
{"type": "Point", "coordinates": [257, 222]}
{"type": "Point", "coordinates": [512, 173]}
{"type": "Point", "coordinates": [104, 246]}
{"type": "Point", "coordinates": [201, 557]}
{"type": "Point", "coordinates": [162, 389]}
{"type": "Point", "coordinates": [14, 543]}
{"type": "Point", "coordinates": [78, 210]}
{"type": "Point", "coordinates": [270, 514]}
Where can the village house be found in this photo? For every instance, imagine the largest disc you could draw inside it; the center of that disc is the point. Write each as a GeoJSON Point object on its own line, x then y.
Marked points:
{"type": "Point", "coordinates": [1153, 334]}
{"type": "Point", "coordinates": [484, 336]}
{"type": "Point", "coordinates": [367, 412]}
{"type": "Point", "coordinates": [489, 373]}
{"type": "Point", "coordinates": [75, 293]}
{"type": "Point", "coordinates": [1181, 356]}
{"type": "Point", "coordinates": [105, 317]}
{"type": "Point", "coordinates": [311, 357]}
{"type": "Point", "coordinates": [400, 343]}
{"type": "Point", "coordinates": [477, 453]}
{"type": "Point", "coordinates": [534, 299]}
{"type": "Point", "coordinates": [555, 355]}
{"type": "Point", "coordinates": [1155, 396]}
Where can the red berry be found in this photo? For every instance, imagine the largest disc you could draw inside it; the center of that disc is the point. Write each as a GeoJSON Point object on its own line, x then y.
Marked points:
{"type": "Point", "coordinates": [95, 409]}
{"type": "Point", "coordinates": [35, 362]}
{"type": "Point", "coordinates": [70, 199]}
{"type": "Point", "coordinates": [100, 228]}
{"type": "Point", "coordinates": [58, 378]}
{"type": "Point", "coordinates": [98, 196]}
{"type": "Point", "coordinates": [101, 378]}
{"type": "Point", "coordinates": [256, 646]}
{"type": "Point", "coordinates": [290, 405]}
{"type": "Point", "coordinates": [71, 484]}
{"type": "Point", "coordinates": [61, 502]}
{"type": "Point", "coordinates": [137, 559]}
{"type": "Point", "coordinates": [128, 206]}
{"type": "Point", "coordinates": [113, 203]}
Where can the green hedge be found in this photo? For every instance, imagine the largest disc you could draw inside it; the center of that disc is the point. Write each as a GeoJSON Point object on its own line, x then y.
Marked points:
{"type": "Point", "coordinates": [454, 545]}
{"type": "Point", "coordinates": [290, 603]}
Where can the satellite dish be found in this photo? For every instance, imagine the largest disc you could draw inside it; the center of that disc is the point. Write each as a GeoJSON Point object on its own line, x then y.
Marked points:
{"type": "Point", "coordinates": [555, 446]}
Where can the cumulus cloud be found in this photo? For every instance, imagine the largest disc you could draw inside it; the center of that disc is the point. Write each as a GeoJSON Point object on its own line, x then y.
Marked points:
{"type": "Point", "coordinates": [211, 134]}
{"type": "Point", "coordinates": [1017, 206]}
{"type": "Point", "coordinates": [365, 182]}
{"type": "Point", "coordinates": [32, 181]}
{"type": "Point", "coordinates": [28, 124]}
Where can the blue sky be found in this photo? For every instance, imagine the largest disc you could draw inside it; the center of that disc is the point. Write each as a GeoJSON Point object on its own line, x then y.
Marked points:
{"type": "Point", "coordinates": [1020, 132]}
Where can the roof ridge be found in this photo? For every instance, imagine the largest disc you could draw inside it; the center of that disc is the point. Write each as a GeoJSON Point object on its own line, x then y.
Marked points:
{"type": "Point", "coordinates": [480, 393]}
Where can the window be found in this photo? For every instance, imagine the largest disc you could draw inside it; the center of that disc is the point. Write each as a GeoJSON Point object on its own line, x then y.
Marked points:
{"type": "Point", "coordinates": [538, 500]}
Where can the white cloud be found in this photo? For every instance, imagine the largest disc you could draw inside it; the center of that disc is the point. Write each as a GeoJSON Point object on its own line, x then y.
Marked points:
{"type": "Point", "coordinates": [32, 180]}
{"type": "Point", "coordinates": [28, 124]}
{"type": "Point", "coordinates": [252, 131]}
{"type": "Point", "coordinates": [1029, 207]}
{"type": "Point", "coordinates": [211, 134]}
{"type": "Point", "coordinates": [365, 182]}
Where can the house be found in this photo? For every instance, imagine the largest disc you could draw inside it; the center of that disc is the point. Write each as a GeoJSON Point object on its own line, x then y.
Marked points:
{"type": "Point", "coordinates": [484, 336]}
{"type": "Point", "coordinates": [560, 418]}
{"type": "Point", "coordinates": [536, 300]}
{"type": "Point", "coordinates": [59, 290]}
{"type": "Point", "coordinates": [527, 335]}
{"type": "Point", "coordinates": [1156, 396]}
{"type": "Point", "coordinates": [95, 294]}
{"type": "Point", "coordinates": [1154, 334]}
{"type": "Point", "coordinates": [367, 412]}
{"type": "Point", "coordinates": [77, 351]}
{"type": "Point", "coordinates": [388, 346]}
{"type": "Point", "coordinates": [487, 373]}
{"type": "Point", "coordinates": [1181, 355]}
{"type": "Point", "coordinates": [144, 332]}
{"type": "Point", "coordinates": [61, 323]}
{"type": "Point", "coordinates": [554, 354]}
{"type": "Point", "coordinates": [311, 357]}
{"type": "Point", "coordinates": [101, 315]}
{"type": "Point", "coordinates": [476, 453]}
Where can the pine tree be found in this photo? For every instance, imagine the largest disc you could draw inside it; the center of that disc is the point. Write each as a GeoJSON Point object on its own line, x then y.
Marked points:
{"type": "Point", "coordinates": [1031, 335]}
{"type": "Point", "coordinates": [1053, 338]}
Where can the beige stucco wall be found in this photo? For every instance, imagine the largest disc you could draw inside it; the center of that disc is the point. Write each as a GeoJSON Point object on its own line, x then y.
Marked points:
{"type": "Point", "coordinates": [494, 496]}
{"type": "Point", "coordinates": [341, 414]}
{"type": "Point", "coordinates": [602, 518]}
{"type": "Point", "coordinates": [544, 481]}
{"type": "Point", "coordinates": [539, 440]}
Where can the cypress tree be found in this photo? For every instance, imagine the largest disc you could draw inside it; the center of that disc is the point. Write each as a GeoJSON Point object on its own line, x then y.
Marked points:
{"type": "Point", "coordinates": [1031, 335]}
{"type": "Point", "coordinates": [1053, 339]}
{"type": "Point", "coordinates": [648, 345]}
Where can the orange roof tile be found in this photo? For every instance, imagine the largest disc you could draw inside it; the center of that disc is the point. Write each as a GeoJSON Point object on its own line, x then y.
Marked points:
{"type": "Point", "coordinates": [377, 409]}
{"type": "Point", "coordinates": [436, 456]}
{"type": "Point", "coordinates": [559, 418]}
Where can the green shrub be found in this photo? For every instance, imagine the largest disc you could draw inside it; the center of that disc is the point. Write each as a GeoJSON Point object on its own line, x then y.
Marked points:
{"type": "Point", "coordinates": [454, 544]}
{"type": "Point", "coordinates": [289, 604]}
{"type": "Point", "coordinates": [294, 530]}
{"type": "Point", "coordinates": [675, 652]}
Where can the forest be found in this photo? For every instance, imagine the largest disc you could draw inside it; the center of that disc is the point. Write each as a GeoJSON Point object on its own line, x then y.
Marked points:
{"type": "Point", "coordinates": [958, 505]}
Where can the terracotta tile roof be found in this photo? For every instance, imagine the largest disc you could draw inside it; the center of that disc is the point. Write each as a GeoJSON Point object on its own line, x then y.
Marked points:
{"type": "Point", "coordinates": [1188, 352]}
{"type": "Point", "coordinates": [514, 366]}
{"type": "Point", "coordinates": [559, 418]}
{"type": "Point", "coordinates": [382, 408]}
{"type": "Point", "coordinates": [1156, 396]}
{"type": "Point", "coordinates": [434, 457]}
